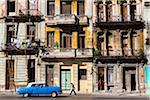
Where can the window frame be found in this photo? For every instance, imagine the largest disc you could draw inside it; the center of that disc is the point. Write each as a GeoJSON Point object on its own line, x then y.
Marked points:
{"type": "Point", "coordinates": [82, 74]}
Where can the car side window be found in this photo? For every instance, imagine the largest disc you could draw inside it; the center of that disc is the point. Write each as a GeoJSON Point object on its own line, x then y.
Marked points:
{"type": "Point", "coordinates": [33, 85]}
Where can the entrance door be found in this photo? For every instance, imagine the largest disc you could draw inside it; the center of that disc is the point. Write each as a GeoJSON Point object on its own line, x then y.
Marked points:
{"type": "Point", "coordinates": [133, 83]}
{"type": "Point", "coordinates": [9, 74]}
{"type": "Point", "coordinates": [65, 79]}
{"type": "Point", "coordinates": [31, 70]}
{"type": "Point", "coordinates": [49, 75]}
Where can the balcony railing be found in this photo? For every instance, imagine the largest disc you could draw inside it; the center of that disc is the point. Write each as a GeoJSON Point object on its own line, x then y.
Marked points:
{"type": "Point", "coordinates": [50, 20]}
{"type": "Point", "coordinates": [83, 20]}
{"type": "Point", "coordinates": [66, 19]}
{"type": "Point", "coordinates": [119, 18]}
{"type": "Point", "coordinates": [66, 53]}
{"type": "Point", "coordinates": [84, 52]}
{"type": "Point", "coordinates": [138, 52]}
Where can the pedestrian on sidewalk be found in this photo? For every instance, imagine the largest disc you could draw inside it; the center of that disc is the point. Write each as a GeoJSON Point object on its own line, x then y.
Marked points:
{"type": "Point", "coordinates": [73, 89]}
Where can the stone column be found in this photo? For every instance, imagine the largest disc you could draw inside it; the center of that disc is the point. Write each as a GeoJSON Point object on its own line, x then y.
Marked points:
{"type": "Point", "coordinates": [128, 10]}
{"type": "Point", "coordinates": [104, 45]}
{"type": "Point", "coordinates": [105, 78]}
{"type": "Point", "coordinates": [118, 42]}
{"type": "Point", "coordinates": [137, 78]}
{"type": "Point", "coordinates": [74, 75]}
{"type": "Point", "coordinates": [57, 7]}
{"type": "Point", "coordinates": [141, 78]}
{"type": "Point", "coordinates": [129, 42]}
{"type": "Point", "coordinates": [104, 9]}
{"type": "Point", "coordinates": [75, 40]}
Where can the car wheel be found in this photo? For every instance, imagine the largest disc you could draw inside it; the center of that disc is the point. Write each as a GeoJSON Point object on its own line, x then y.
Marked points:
{"type": "Point", "coordinates": [54, 94]}
{"type": "Point", "coordinates": [25, 95]}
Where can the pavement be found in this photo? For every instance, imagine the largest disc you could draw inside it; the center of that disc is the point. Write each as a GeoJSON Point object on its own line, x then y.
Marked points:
{"type": "Point", "coordinates": [88, 94]}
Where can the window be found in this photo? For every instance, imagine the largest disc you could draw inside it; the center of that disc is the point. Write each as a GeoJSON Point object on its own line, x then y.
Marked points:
{"type": "Point", "coordinates": [81, 42]}
{"type": "Point", "coordinates": [10, 6]}
{"type": "Point", "coordinates": [108, 10]}
{"type": "Point", "coordinates": [31, 32]}
{"type": "Point", "coordinates": [50, 39]}
{"type": "Point", "coordinates": [133, 10]}
{"type": "Point", "coordinates": [110, 75]}
{"type": "Point", "coordinates": [82, 74]}
{"type": "Point", "coordinates": [66, 40]}
{"type": "Point", "coordinates": [65, 7]}
{"type": "Point", "coordinates": [123, 9]}
{"type": "Point", "coordinates": [50, 7]}
{"type": "Point", "coordinates": [80, 7]}
{"type": "Point", "coordinates": [10, 33]}
{"type": "Point", "coordinates": [100, 12]}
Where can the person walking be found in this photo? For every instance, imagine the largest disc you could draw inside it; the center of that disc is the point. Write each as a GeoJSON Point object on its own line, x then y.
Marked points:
{"type": "Point", "coordinates": [73, 89]}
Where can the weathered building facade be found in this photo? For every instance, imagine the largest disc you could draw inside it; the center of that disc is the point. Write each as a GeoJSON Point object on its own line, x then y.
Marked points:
{"type": "Point", "coordinates": [118, 39]}
{"type": "Point", "coordinates": [68, 47]}
{"type": "Point", "coordinates": [20, 38]}
{"type": "Point", "coordinates": [53, 41]}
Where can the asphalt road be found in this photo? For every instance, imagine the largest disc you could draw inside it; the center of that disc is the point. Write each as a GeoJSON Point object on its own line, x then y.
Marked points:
{"type": "Point", "coordinates": [78, 97]}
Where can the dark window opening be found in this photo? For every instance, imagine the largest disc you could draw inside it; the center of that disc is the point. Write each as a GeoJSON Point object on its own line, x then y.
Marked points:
{"type": "Point", "coordinates": [133, 10]}
{"type": "Point", "coordinates": [10, 33]}
{"type": "Point", "coordinates": [82, 74]}
{"type": "Point", "coordinates": [31, 32]}
{"type": "Point", "coordinates": [66, 40]}
{"type": "Point", "coordinates": [110, 76]}
{"type": "Point", "coordinates": [100, 12]}
{"type": "Point", "coordinates": [81, 43]}
{"type": "Point", "coordinates": [10, 6]}
{"type": "Point", "coordinates": [80, 10]}
{"type": "Point", "coordinates": [50, 39]}
{"type": "Point", "coordinates": [65, 7]}
{"type": "Point", "coordinates": [50, 7]}
{"type": "Point", "coordinates": [108, 11]}
{"type": "Point", "coordinates": [101, 78]}
{"type": "Point", "coordinates": [31, 70]}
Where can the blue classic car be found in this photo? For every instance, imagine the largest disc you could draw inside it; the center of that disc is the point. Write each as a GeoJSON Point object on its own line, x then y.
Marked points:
{"type": "Point", "coordinates": [38, 89]}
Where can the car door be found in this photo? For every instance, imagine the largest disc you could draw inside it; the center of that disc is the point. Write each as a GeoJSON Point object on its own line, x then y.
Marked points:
{"type": "Point", "coordinates": [33, 89]}
{"type": "Point", "coordinates": [42, 89]}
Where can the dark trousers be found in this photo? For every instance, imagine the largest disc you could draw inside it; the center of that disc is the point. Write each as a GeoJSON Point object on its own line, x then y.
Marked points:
{"type": "Point", "coordinates": [72, 91]}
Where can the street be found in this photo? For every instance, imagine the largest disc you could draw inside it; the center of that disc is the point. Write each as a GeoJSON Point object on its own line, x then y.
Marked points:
{"type": "Point", "coordinates": [78, 97]}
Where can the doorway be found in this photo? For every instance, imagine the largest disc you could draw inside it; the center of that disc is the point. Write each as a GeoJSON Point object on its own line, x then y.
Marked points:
{"type": "Point", "coordinates": [31, 70]}
{"type": "Point", "coordinates": [133, 83]}
{"type": "Point", "coordinates": [100, 78]}
{"type": "Point", "coordinates": [9, 74]}
{"type": "Point", "coordinates": [65, 79]}
{"type": "Point", "coordinates": [49, 75]}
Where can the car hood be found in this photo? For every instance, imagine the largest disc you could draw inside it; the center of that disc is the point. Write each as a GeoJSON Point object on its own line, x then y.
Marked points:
{"type": "Point", "coordinates": [22, 90]}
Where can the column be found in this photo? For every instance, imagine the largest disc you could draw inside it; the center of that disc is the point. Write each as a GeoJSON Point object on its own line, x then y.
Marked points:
{"type": "Point", "coordinates": [129, 43]}
{"type": "Point", "coordinates": [128, 10]}
{"type": "Point", "coordinates": [74, 75]}
{"type": "Point", "coordinates": [104, 44]}
{"type": "Point", "coordinates": [119, 50]}
{"type": "Point", "coordinates": [57, 37]}
{"type": "Point", "coordinates": [105, 78]}
{"type": "Point", "coordinates": [74, 7]}
{"type": "Point", "coordinates": [74, 39]}
{"type": "Point", "coordinates": [137, 10]}
{"type": "Point", "coordinates": [104, 9]}
{"type": "Point", "coordinates": [141, 78]}
{"type": "Point", "coordinates": [137, 78]}
{"type": "Point", "coordinates": [57, 7]}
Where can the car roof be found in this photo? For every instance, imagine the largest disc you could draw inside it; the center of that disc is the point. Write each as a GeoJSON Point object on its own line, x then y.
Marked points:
{"type": "Point", "coordinates": [35, 83]}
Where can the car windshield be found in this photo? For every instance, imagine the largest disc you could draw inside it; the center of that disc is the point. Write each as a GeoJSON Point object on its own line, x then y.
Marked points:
{"type": "Point", "coordinates": [35, 84]}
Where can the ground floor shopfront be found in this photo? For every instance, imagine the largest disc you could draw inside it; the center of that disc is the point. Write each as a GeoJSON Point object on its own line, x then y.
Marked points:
{"type": "Point", "coordinates": [87, 77]}
{"type": "Point", "coordinates": [119, 78]}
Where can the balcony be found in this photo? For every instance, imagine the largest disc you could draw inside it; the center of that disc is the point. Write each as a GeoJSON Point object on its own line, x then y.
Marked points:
{"type": "Point", "coordinates": [66, 53]}
{"type": "Point", "coordinates": [112, 56]}
{"type": "Point", "coordinates": [50, 21]}
{"type": "Point", "coordinates": [25, 15]}
{"type": "Point", "coordinates": [21, 47]}
{"type": "Point", "coordinates": [83, 20]}
{"type": "Point", "coordinates": [81, 53]}
{"type": "Point", "coordinates": [57, 53]}
{"type": "Point", "coordinates": [63, 19]}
